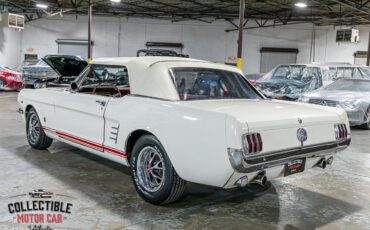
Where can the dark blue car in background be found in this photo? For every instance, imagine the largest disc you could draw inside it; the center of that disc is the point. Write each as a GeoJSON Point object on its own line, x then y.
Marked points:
{"type": "Point", "coordinates": [53, 70]}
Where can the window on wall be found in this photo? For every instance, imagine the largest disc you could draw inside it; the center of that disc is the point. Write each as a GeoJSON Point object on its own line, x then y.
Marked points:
{"type": "Point", "coordinates": [271, 57]}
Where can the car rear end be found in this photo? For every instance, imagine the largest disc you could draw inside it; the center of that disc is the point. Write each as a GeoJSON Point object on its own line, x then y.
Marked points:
{"type": "Point", "coordinates": [282, 147]}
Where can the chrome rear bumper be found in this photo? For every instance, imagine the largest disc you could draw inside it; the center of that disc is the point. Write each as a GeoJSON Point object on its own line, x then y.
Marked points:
{"type": "Point", "coordinates": [273, 165]}
{"type": "Point", "coordinates": [273, 159]}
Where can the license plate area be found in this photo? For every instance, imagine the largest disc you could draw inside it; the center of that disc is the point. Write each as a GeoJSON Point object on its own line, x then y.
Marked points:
{"type": "Point", "coordinates": [295, 166]}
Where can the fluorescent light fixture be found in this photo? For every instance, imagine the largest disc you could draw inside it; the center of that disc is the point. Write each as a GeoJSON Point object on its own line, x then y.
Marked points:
{"type": "Point", "coordinates": [301, 4]}
{"type": "Point", "coordinates": [42, 6]}
{"type": "Point", "coordinates": [115, 0]}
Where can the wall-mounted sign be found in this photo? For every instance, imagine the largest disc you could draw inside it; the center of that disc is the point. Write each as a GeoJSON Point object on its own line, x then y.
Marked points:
{"type": "Point", "coordinates": [232, 58]}
{"type": "Point", "coordinates": [29, 49]}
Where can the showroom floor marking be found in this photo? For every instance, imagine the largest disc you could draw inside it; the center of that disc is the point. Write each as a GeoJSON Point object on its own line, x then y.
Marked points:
{"type": "Point", "coordinates": [86, 143]}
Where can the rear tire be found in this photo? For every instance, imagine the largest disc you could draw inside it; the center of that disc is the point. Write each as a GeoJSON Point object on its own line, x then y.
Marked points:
{"type": "Point", "coordinates": [153, 175]}
{"type": "Point", "coordinates": [366, 126]}
{"type": "Point", "coordinates": [36, 136]}
{"type": "Point", "coordinates": [2, 84]}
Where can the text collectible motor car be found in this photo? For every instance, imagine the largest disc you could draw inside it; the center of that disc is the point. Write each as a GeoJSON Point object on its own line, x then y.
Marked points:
{"type": "Point", "coordinates": [175, 119]}
{"type": "Point", "coordinates": [10, 80]}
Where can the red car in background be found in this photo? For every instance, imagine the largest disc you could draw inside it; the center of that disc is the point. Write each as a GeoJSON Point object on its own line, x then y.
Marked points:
{"type": "Point", "coordinates": [10, 80]}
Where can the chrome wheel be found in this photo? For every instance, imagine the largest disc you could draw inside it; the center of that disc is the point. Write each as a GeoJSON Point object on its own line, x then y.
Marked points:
{"type": "Point", "coordinates": [150, 169]}
{"type": "Point", "coordinates": [34, 130]}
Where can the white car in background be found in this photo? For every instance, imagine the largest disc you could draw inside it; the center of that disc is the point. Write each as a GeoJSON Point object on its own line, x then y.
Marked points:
{"type": "Point", "coordinates": [174, 120]}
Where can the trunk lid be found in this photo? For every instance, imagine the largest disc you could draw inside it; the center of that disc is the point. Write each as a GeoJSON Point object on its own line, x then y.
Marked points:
{"type": "Point", "coordinates": [268, 114]}
{"type": "Point", "coordinates": [277, 121]}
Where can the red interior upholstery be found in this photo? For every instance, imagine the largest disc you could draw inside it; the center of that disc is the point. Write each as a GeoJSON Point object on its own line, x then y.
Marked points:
{"type": "Point", "coordinates": [106, 90]}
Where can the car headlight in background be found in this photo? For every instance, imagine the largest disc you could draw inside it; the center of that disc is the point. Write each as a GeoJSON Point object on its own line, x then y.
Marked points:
{"type": "Point", "coordinates": [350, 104]}
{"type": "Point", "coordinates": [44, 74]}
{"type": "Point", "coordinates": [39, 85]}
{"type": "Point", "coordinates": [11, 77]}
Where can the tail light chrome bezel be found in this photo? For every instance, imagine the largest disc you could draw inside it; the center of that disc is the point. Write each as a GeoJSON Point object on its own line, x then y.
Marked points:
{"type": "Point", "coordinates": [252, 144]}
{"type": "Point", "coordinates": [341, 131]}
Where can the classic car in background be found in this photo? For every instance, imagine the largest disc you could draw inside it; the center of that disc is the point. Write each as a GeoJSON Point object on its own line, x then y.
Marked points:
{"type": "Point", "coordinates": [338, 71]}
{"type": "Point", "coordinates": [288, 82]}
{"type": "Point", "coordinates": [10, 80]}
{"type": "Point", "coordinates": [53, 70]}
{"type": "Point", "coordinates": [227, 138]}
{"type": "Point", "coordinates": [159, 52]}
{"type": "Point", "coordinates": [353, 95]}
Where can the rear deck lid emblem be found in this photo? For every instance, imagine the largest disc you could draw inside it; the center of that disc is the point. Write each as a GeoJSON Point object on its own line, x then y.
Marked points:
{"type": "Point", "coordinates": [302, 135]}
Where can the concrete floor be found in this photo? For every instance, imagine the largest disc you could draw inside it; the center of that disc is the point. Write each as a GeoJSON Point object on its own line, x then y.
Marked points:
{"type": "Point", "coordinates": [103, 195]}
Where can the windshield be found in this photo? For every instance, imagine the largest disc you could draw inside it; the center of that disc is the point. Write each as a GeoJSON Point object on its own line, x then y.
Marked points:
{"type": "Point", "coordinates": [204, 84]}
{"type": "Point", "coordinates": [365, 71]}
{"type": "Point", "coordinates": [284, 73]}
{"type": "Point", "coordinates": [66, 65]}
{"type": "Point", "coordinates": [350, 85]}
{"type": "Point", "coordinates": [104, 75]}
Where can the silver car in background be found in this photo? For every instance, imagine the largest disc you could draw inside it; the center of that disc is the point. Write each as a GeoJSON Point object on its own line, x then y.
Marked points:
{"type": "Point", "coordinates": [353, 95]}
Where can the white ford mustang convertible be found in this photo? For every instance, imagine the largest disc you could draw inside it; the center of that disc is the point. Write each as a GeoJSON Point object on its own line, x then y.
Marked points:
{"type": "Point", "coordinates": [174, 120]}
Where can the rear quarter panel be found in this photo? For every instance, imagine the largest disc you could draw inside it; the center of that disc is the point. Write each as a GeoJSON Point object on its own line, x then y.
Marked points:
{"type": "Point", "coordinates": [194, 140]}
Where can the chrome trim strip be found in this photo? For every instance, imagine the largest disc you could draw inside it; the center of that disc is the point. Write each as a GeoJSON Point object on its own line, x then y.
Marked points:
{"type": "Point", "coordinates": [323, 145]}
{"type": "Point", "coordinates": [150, 97]}
{"type": "Point", "coordinates": [282, 157]}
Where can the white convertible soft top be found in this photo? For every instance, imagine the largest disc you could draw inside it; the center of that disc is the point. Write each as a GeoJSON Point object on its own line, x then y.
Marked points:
{"type": "Point", "coordinates": [149, 76]}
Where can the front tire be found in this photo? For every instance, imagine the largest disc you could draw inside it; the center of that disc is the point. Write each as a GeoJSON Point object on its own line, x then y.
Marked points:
{"type": "Point", "coordinates": [153, 175]}
{"type": "Point", "coordinates": [366, 126]}
{"type": "Point", "coordinates": [35, 134]}
{"type": "Point", "coordinates": [2, 84]}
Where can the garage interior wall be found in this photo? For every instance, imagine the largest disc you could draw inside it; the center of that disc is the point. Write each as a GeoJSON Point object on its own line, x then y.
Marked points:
{"type": "Point", "coordinates": [10, 47]}
{"type": "Point", "coordinates": [114, 36]}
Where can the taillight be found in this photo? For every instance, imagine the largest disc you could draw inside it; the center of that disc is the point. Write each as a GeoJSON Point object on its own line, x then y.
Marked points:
{"type": "Point", "coordinates": [341, 131]}
{"type": "Point", "coordinates": [252, 143]}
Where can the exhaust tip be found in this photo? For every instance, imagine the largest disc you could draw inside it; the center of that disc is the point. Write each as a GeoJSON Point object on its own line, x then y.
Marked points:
{"type": "Point", "coordinates": [263, 180]}
{"type": "Point", "coordinates": [321, 163]}
{"type": "Point", "coordinates": [242, 182]}
{"type": "Point", "coordinates": [260, 179]}
{"type": "Point", "coordinates": [329, 161]}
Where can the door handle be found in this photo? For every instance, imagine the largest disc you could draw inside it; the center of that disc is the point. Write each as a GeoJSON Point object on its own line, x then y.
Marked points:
{"type": "Point", "coordinates": [102, 103]}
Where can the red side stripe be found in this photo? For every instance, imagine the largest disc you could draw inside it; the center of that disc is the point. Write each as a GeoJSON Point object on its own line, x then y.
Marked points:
{"type": "Point", "coordinates": [79, 140]}
{"type": "Point", "coordinates": [115, 151]}
{"type": "Point", "coordinates": [86, 143]}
